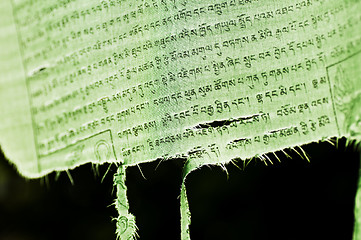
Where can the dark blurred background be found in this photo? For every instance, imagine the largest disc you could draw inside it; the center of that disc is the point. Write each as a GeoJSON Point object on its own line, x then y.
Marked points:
{"type": "Point", "coordinates": [290, 200]}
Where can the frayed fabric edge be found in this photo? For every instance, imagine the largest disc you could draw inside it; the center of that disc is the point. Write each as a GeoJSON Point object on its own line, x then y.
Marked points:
{"type": "Point", "coordinates": [126, 228]}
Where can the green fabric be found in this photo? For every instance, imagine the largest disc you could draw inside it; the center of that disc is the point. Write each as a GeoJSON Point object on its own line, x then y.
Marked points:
{"type": "Point", "coordinates": [127, 82]}
{"type": "Point", "coordinates": [126, 227]}
{"type": "Point", "coordinates": [357, 225]}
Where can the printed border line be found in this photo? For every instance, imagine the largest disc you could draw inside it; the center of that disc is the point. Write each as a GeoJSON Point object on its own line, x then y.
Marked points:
{"type": "Point", "coordinates": [111, 138]}
{"type": "Point", "coordinates": [330, 87]}
{"type": "Point", "coordinates": [21, 50]}
{"type": "Point", "coordinates": [38, 155]}
{"type": "Point", "coordinates": [84, 139]}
